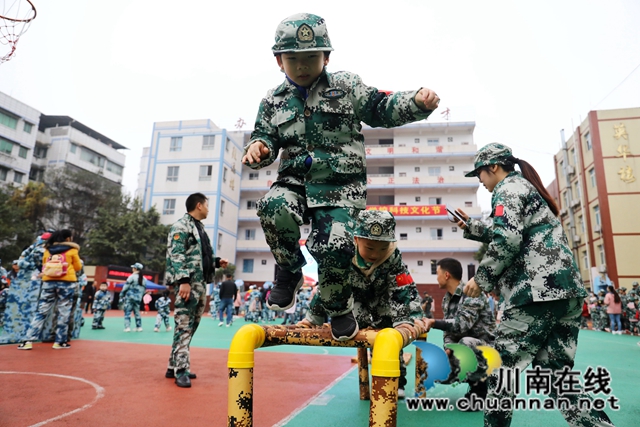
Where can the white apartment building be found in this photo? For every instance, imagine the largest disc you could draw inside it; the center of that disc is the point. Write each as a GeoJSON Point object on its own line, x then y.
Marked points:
{"type": "Point", "coordinates": [414, 171]}
{"type": "Point", "coordinates": [194, 156]}
{"type": "Point", "coordinates": [63, 141]}
{"type": "Point", "coordinates": [18, 128]}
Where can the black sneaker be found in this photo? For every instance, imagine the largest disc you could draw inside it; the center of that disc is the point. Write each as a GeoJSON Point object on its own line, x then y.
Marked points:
{"type": "Point", "coordinates": [283, 294]}
{"type": "Point", "coordinates": [345, 327]}
{"type": "Point", "coordinates": [171, 374]}
{"type": "Point", "coordinates": [182, 380]}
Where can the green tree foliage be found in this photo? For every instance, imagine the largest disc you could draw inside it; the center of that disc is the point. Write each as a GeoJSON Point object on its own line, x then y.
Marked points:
{"type": "Point", "coordinates": [16, 231]}
{"type": "Point", "coordinates": [221, 272]}
{"type": "Point", "coordinates": [123, 234]}
{"type": "Point", "coordinates": [32, 199]}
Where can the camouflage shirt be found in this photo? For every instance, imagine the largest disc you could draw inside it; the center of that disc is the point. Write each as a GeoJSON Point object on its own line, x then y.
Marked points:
{"type": "Point", "coordinates": [466, 317]}
{"type": "Point", "coordinates": [326, 127]}
{"type": "Point", "coordinates": [102, 300]}
{"type": "Point", "coordinates": [528, 258]}
{"type": "Point", "coordinates": [184, 254]}
{"type": "Point", "coordinates": [163, 305]}
{"type": "Point", "coordinates": [384, 296]}
{"type": "Point", "coordinates": [132, 290]}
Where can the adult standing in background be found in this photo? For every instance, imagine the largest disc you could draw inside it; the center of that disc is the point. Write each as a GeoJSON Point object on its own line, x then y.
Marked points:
{"type": "Point", "coordinates": [614, 310]}
{"type": "Point", "coordinates": [190, 266]}
{"type": "Point", "coordinates": [228, 292]}
{"type": "Point", "coordinates": [132, 294]}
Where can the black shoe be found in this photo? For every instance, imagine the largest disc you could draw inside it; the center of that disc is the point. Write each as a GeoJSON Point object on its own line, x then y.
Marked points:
{"type": "Point", "coordinates": [95, 327]}
{"type": "Point", "coordinates": [100, 327]}
{"type": "Point", "coordinates": [183, 381]}
{"type": "Point", "coordinates": [170, 374]}
{"type": "Point", "coordinates": [345, 327]}
{"type": "Point", "coordinates": [283, 294]}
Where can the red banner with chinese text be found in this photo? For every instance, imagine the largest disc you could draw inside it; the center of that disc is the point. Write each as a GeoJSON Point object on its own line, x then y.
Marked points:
{"type": "Point", "coordinates": [401, 210]}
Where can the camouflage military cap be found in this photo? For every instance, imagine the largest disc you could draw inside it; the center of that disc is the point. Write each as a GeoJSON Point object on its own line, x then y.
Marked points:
{"type": "Point", "coordinates": [623, 289]}
{"type": "Point", "coordinates": [634, 284]}
{"type": "Point", "coordinates": [302, 32]}
{"type": "Point", "coordinates": [376, 225]}
{"type": "Point", "coordinates": [490, 154]}
{"type": "Point", "coordinates": [137, 266]}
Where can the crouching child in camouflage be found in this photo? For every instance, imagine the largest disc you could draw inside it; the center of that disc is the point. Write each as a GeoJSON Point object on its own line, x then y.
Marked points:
{"type": "Point", "coordinates": [384, 293]}
{"type": "Point", "coordinates": [313, 120]}
{"type": "Point", "coordinates": [163, 304]}
{"type": "Point", "coordinates": [101, 303]}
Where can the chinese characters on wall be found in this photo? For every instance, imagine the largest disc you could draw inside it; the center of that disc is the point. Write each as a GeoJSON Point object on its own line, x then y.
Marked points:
{"type": "Point", "coordinates": [625, 172]}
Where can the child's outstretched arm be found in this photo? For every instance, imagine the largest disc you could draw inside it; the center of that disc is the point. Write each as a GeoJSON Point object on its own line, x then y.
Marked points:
{"type": "Point", "coordinates": [426, 99]}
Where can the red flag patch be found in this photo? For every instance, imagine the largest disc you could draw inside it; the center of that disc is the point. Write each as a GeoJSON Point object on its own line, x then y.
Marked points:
{"type": "Point", "coordinates": [499, 210]}
{"type": "Point", "coordinates": [404, 279]}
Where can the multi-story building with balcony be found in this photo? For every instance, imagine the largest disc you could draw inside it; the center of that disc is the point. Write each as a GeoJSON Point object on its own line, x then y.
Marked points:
{"type": "Point", "coordinates": [414, 171]}
{"type": "Point", "coordinates": [599, 195]}
{"type": "Point", "coordinates": [18, 128]}
{"type": "Point", "coordinates": [194, 156]}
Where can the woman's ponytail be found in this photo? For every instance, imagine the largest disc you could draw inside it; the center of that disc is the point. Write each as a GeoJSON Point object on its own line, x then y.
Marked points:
{"type": "Point", "coordinates": [532, 176]}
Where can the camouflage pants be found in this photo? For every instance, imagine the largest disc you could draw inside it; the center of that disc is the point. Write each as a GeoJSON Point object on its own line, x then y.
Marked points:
{"type": "Point", "coordinates": [132, 305]}
{"type": "Point", "coordinates": [282, 211]}
{"type": "Point", "coordinates": [98, 317]}
{"type": "Point", "coordinates": [53, 293]}
{"type": "Point", "coordinates": [22, 304]}
{"type": "Point", "coordinates": [187, 318]}
{"type": "Point", "coordinates": [162, 317]}
{"type": "Point", "coordinates": [544, 334]}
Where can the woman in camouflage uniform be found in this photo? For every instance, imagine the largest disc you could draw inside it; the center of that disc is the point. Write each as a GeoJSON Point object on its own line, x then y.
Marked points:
{"type": "Point", "coordinates": [530, 263]}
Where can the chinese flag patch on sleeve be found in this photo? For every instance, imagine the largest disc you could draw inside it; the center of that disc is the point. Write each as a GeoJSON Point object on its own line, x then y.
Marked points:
{"type": "Point", "coordinates": [499, 210]}
{"type": "Point", "coordinates": [404, 279]}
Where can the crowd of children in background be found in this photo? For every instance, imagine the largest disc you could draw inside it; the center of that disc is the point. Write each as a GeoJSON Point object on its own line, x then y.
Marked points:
{"type": "Point", "coordinates": [614, 311]}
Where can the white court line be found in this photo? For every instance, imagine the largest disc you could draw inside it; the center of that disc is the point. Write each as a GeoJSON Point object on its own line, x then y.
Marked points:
{"type": "Point", "coordinates": [99, 393]}
{"type": "Point", "coordinates": [312, 398]}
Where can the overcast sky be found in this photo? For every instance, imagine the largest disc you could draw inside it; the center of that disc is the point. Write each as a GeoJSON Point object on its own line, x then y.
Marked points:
{"type": "Point", "coordinates": [522, 70]}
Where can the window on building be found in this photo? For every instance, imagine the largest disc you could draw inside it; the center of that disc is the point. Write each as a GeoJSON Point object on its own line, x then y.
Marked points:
{"type": "Point", "coordinates": [435, 200]}
{"type": "Point", "coordinates": [247, 266]}
{"type": "Point", "coordinates": [581, 223]}
{"type": "Point", "coordinates": [418, 229]}
{"type": "Point", "coordinates": [36, 174]}
{"type": "Point", "coordinates": [436, 234]}
{"type": "Point", "coordinates": [6, 146]}
{"type": "Point", "coordinates": [578, 191]}
{"type": "Point", "coordinates": [596, 215]}
{"type": "Point", "coordinates": [454, 229]}
{"type": "Point", "coordinates": [227, 145]}
{"type": "Point", "coordinates": [416, 169]}
{"type": "Point", "coordinates": [28, 127]}
{"type": "Point", "coordinates": [222, 207]}
{"type": "Point", "coordinates": [250, 234]}
{"type": "Point", "coordinates": [468, 204]}
{"type": "Point", "coordinates": [452, 168]}
{"type": "Point", "coordinates": [573, 157]}
{"type": "Point", "coordinates": [433, 142]}
{"type": "Point", "coordinates": [40, 152]}
{"type": "Point", "coordinates": [253, 176]}
{"type": "Point", "coordinates": [220, 241]}
{"type": "Point", "coordinates": [176, 143]}
{"type": "Point", "coordinates": [434, 171]}
{"type": "Point", "coordinates": [417, 198]}
{"type": "Point", "coordinates": [403, 236]}
{"type": "Point", "coordinates": [8, 120]}
{"type": "Point", "coordinates": [587, 140]}
{"type": "Point", "coordinates": [386, 142]}
{"type": "Point", "coordinates": [73, 148]}
{"type": "Point", "coordinates": [251, 204]}
{"type": "Point", "coordinates": [169, 207]}
{"type": "Point", "coordinates": [23, 152]}
{"type": "Point", "coordinates": [592, 177]}
{"type": "Point", "coordinates": [264, 262]}
{"type": "Point", "coordinates": [434, 266]}
{"type": "Point", "coordinates": [92, 157]}
{"type": "Point", "coordinates": [208, 142]}
{"type": "Point", "coordinates": [268, 173]}
{"type": "Point", "coordinates": [3, 173]}
{"type": "Point", "coordinates": [420, 263]}
{"type": "Point", "coordinates": [584, 259]}
{"type": "Point", "coordinates": [114, 168]}
{"type": "Point", "coordinates": [172, 173]}
{"type": "Point", "coordinates": [18, 177]}
{"type": "Point", "coordinates": [601, 254]}
{"type": "Point", "coordinates": [387, 199]}
{"type": "Point", "coordinates": [449, 139]}
{"type": "Point", "coordinates": [416, 140]}
{"type": "Point", "coordinates": [561, 168]}
{"type": "Point", "coordinates": [205, 172]}
{"type": "Point", "coordinates": [402, 174]}
{"type": "Point", "coordinates": [224, 174]}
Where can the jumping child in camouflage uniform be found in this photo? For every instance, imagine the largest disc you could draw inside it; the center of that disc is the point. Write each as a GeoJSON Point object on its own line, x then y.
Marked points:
{"type": "Point", "coordinates": [315, 118]}
{"type": "Point", "coordinates": [530, 262]}
{"type": "Point", "coordinates": [163, 305]}
{"type": "Point", "coordinates": [384, 292]}
{"type": "Point", "coordinates": [101, 303]}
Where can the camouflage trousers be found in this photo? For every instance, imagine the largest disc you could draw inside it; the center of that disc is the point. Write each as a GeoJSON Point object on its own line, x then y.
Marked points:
{"type": "Point", "coordinates": [129, 306]}
{"type": "Point", "coordinates": [479, 373]}
{"type": "Point", "coordinates": [187, 318]}
{"type": "Point", "coordinates": [282, 211]}
{"type": "Point", "coordinates": [53, 293]}
{"type": "Point", "coordinates": [98, 317]}
{"type": "Point", "coordinates": [544, 334]}
{"type": "Point", "coordinates": [162, 317]}
{"type": "Point", "coordinates": [22, 303]}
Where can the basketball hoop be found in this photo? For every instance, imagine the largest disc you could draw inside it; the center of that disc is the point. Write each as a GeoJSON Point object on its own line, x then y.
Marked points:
{"type": "Point", "coordinates": [15, 19]}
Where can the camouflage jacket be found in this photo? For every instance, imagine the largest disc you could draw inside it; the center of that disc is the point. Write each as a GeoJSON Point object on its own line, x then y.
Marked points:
{"type": "Point", "coordinates": [184, 254]}
{"type": "Point", "coordinates": [466, 317]}
{"type": "Point", "coordinates": [102, 300]}
{"type": "Point", "coordinates": [163, 305]}
{"type": "Point", "coordinates": [30, 261]}
{"type": "Point", "coordinates": [132, 290]}
{"type": "Point", "coordinates": [384, 296]}
{"type": "Point", "coordinates": [528, 258]}
{"type": "Point", "coordinates": [326, 126]}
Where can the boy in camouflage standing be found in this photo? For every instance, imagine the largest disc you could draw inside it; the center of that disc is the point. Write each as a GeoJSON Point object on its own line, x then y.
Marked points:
{"type": "Point", "coordinates": [101, 303]}
{"type": "Point", "coordinates": [190, 266]}
{"type": "Point", "coordinates": [163, 305]}
{"type": "Point", "coordinates": [315, 118]}
{"type": "Point", "coordinates": [384, 293]}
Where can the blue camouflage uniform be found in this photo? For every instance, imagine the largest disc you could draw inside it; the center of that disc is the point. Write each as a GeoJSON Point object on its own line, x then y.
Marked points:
{"type": "Point", "coordinates": [163, 304]}
{"type": "Point", "coordinates": [132, 294]}
{"type": "Point", "coordinates": [101, 303]}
